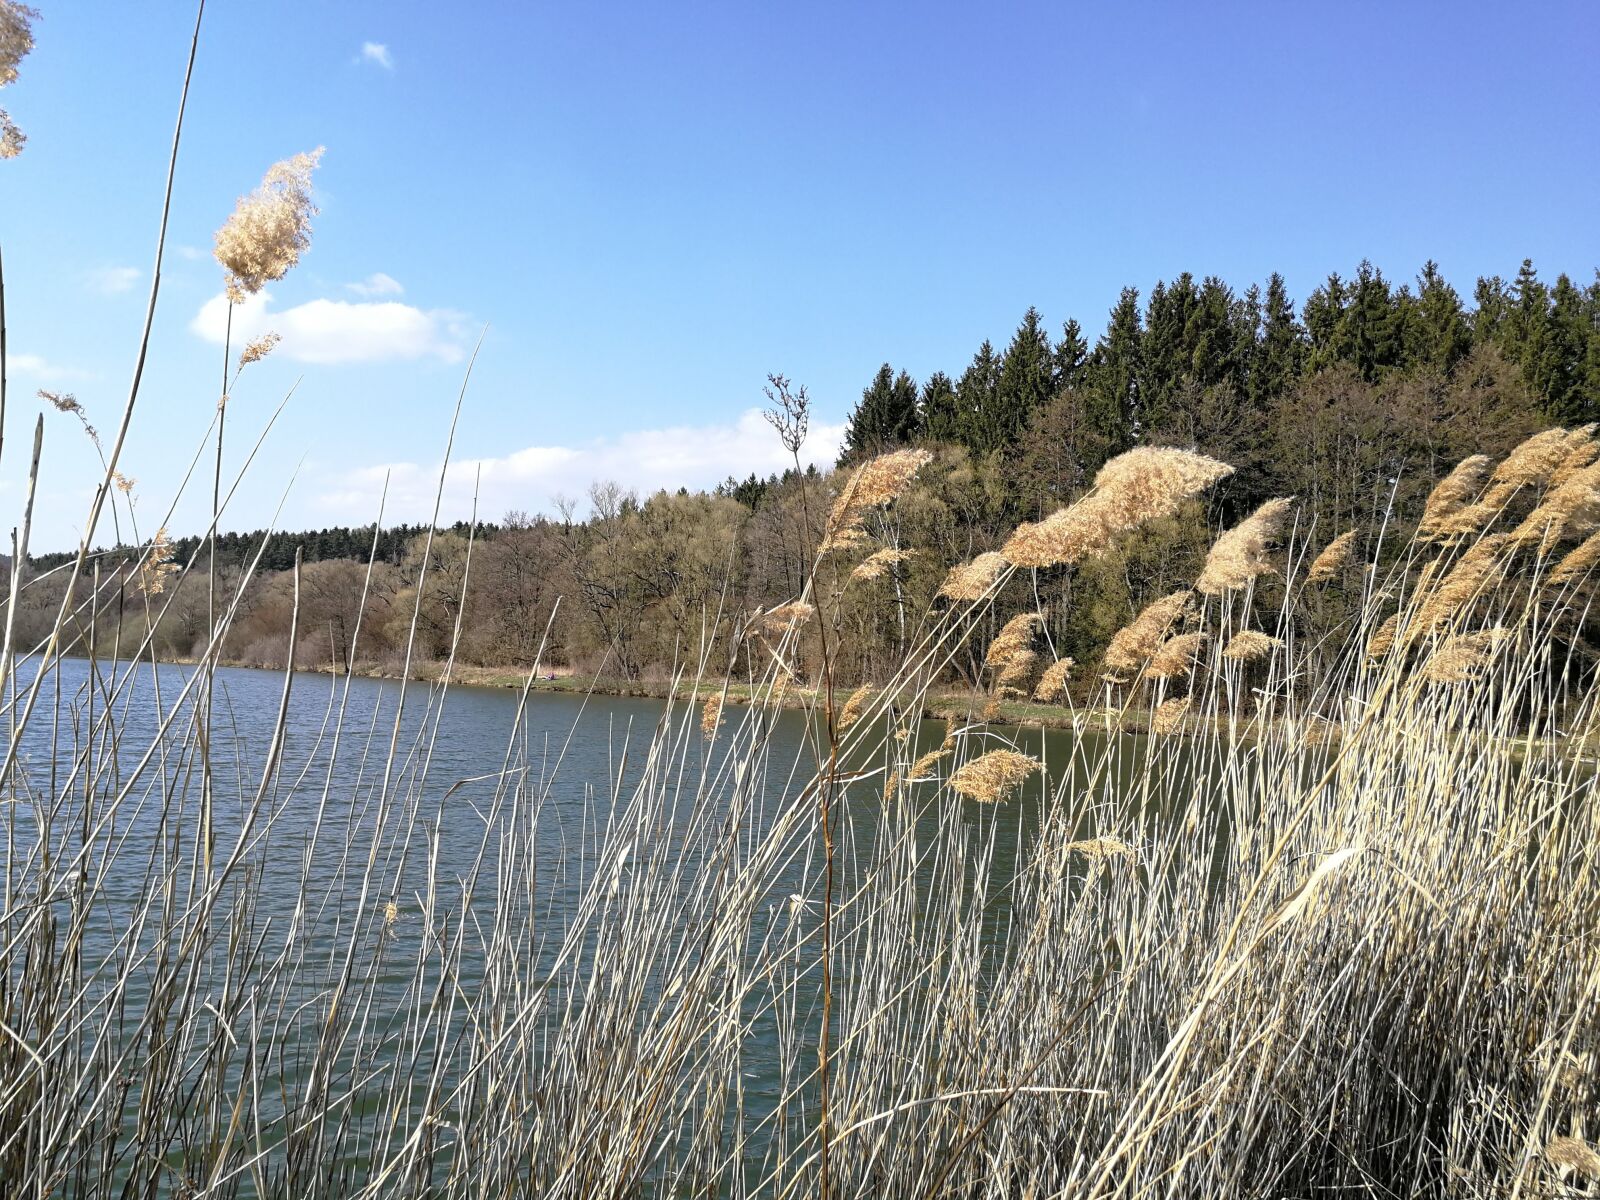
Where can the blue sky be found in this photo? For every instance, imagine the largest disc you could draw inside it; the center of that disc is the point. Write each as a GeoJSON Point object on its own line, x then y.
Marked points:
{"type": "Point", "coordinates": [651, 206]}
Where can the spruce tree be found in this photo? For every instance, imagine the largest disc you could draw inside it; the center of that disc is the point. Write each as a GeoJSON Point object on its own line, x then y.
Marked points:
{"type": "Point", "coordinates": [886, 417]}
{"type": "Point", "coordinates": [1282, 345]}
{"type": "Point", "coordinates": [1026, 381]}
{"type": "Point", "coordinates": [1113, 372]}
{"type": "Point", "coordinates": [1440, 336]}
{"type": "Point", "coordinates": [975, 396]}
{"type": "Point", "coordinates": [941, 418]}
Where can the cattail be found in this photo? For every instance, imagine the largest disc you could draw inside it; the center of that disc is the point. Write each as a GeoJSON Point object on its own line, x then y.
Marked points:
{"type": "Point", "coordinates": [711, 717]}
{"type": "Point", "coordinates": [1575, 1155]}
{"type": "Point", "coordinates": [920, 768]}
{"type": "Point", "coordinates": [1099, 849]}
{"type": "Point", "coordinates": [1478, 572]}
{"type": "Point", "coordinates": [1331, 561]}
{"type": "Point", "coordinates": [1169, 715]}
{"type": "Point", "coordinates": [1578, 562]}
{"type": "Point", "coordinates": [158, 566]}
{"type": "Point", "coordinates": [1383, 638]}
{"type": "Point", "coordinates": [993, 776]}
{"type": "Point", "coordinates": [16, 40]}
{"type": "Point", "coordinates": [1014, 637]}
{"type": "Point", "coordinates": [874, 484]}
{"type": "Point", "coordinates": [270, 228]}
{"type": "Point", "coordinates": [1446, 512]}
{"type": "Point", "coordinates": [1130, 490]}
{"type": "Point", "coordinates": [972, 581]}
{"type": "Point", "coordinates": [1240, 554]}
{"type": "Point", "coordinates": [1132, 645]}
{"type": "Point", "coordinates": [854, 707]}
{"type": "Point", "coordinates": [879, 563]}
{"type": "Point", "coordinates": [1250, 645]}
{"type": "Point", "coordinates": [1175, 657]}
{"type": "Point", "coordinates": [1460, 657]}
{"type": "Point", "coordinates": [258, 349]}
{"type": "Point", "coordinates": [1053, 684]}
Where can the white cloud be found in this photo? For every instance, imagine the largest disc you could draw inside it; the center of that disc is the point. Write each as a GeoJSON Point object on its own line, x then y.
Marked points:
{"type": "Point", "coordinates": [192, 253]}
{"type": "Point", "coordinates": [338, 331]}
{"type": "Point", "coordinates": [377, 52]}
{"type": "Point", "coordinates": [113, 281]}
{"type": "Point", "coordinates": [38, 368]}
{"type": "Point", "coordinates": [377, 284]}
{"type": "Point", "coordinates": [645, 461]}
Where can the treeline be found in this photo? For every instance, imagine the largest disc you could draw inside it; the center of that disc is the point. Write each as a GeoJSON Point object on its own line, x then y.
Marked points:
{"type": "Point", "coordinates": [1355, 403]}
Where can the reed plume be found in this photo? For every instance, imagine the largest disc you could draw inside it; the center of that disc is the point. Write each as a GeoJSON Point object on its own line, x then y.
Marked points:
{"type": "Point", "coordinates": [711, 717]}
{"type": "Point", "coordinates": [1250, 645]}
{"type": "Point", "coordinates": [1331, 561]}
{"type": "Point", "coordinates": [1016, 672]}
{"type": "Point", "coordinates": [1169, 714]}
{"type": "Point", "coordinates": [269, 229]}
{"type": "Point", "coordinates": [992, 777]}
{"type": "Point", "coordinates": [1574, 1155]}
{"type": "Point", "coordinates": [775, 623]}
{"type": "Point", "coordinates": [1015, 636]}
{"type": "Point", "coordinates": [971, 581]}
{"type": "Point", "coordinates": [1240, 554]}
{"type": "Point", "coordinates": [16, 40]}
{"type": "Point", "coordinates": [879, 563]}
{"type": "Point", "coordinates": [1099, 849]}
{"type": "Point", "coordinates": [1581, 450]}
{"type": "Point", "coordinates": [855, 706]}
{"type": "Point", "coordinates": [873, 485]}
{"type": "Point", "coordinates": [1448, 511]}
{"type": "Point", "coordinates": [258, 349]}
{"type": "Point", "coordinates": [1053, 683]}
{"type": "Point", "coordinates": [1578, 562]}
{"type": "Point", "coordinates": [1478, 572]}
{"type": "Point", "coordinates": [1132, 645]}
{"type": "Point", "coordinates": [1571, 509]}
{"type": "Point", "coordinates": [1383, 638]}
{"type": "Point", "coordinates": [1175, 657]}
{"type": "Point", "coordinates": [1132, 489]}
{"type": "Point", "coordinates": [924, 764]}
{"type": "Point", "coordinates": [157, 567]}
{"type": "Point", "coordinates": [1461, 657]}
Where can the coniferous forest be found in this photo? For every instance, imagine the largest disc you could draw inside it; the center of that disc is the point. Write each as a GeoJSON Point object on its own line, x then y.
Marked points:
{"type": "Point", "coordinates": [1353, 401]}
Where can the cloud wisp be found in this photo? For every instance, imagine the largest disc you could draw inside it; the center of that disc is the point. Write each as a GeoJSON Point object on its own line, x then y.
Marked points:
{"type": "Point", "coordinates": [376, 284]}
{"type": "Point", "coordinates": [376, 53]}
{"type": "Point", "coordinates": [113, 281]}
{"type": "Point", "coordinates": [530, 479]}
{"type": "Point", "coordinates": [36, 367]}
{"type": "Point", "coordinates": [330, 332]}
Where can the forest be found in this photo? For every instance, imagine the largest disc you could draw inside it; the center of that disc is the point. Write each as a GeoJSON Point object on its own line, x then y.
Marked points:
{"type": "Point", "coordinates": [1354, 405]}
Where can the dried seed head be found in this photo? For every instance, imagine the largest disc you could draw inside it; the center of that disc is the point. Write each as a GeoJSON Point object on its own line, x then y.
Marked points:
{"type": "Point", "coordinates": [1250, 645]}
{"type": "Point", "coordinates": [270, 228]}
{"type": "Point", "coordinates": [258, 349]}
{"type": "Point", "coordinates": [1053, 684]}
{"type": "Point", "coordinates": [1581, 450]}
{"type": "Point", "coordinates": [1478, 572]}
{"type": "Point", "coordinates": [157, 567]}
{"type": "Point", "coordinates": [16, 40]}
{"type": "Point", "coordinates": [1331, 561]}
{"type": "Point", "coordinates": [711, 717]}
{"type": "Point", "coordinates": [879, 563]}
{"type": "Point", "coordinates": [993, 776]}
{"type": "Point", "coordinates": [1130, 490]}
{"type": "Point", "coordinates": [1574, 1155]}
{"type": "Point", "coordinates": [1383, 638]}
{"type": "Point", "coordinates": [854, 707]}
{"type": "Point", "coordinates": [920, 768]}
{"type": "Point", "coordinates": [776, 623]}
{"type": "Point", "coordinates": [1578, 563]}
{"type": "Point", "coordinates": [1017, 671]}
{"type": "Point", "coordinates": [1169, 714]}
{"type": "Point", "coordinates": [1176, 656]}
{"type": "Point", "coordinates": [1446, 512]}
{"type": "Point", "coordinates": [1570, 510]}
{"type": "Point", "coordinates": [875, 484]}
{"type": "Point", "coordinates": [1461, 657]}
{"type": "Point", "coordinates": [124, 484]}
{"type": "Point", "coordinates": [1533, 461]}
{"type": "Point", "coordinates": [1240, 554]}
{"type": "Point", "coordinates": [1014, 637]}
{"type": "Point", "coordinates": [66, 402]}
{"type": "Point", "coordinates": [973, 580]}
{"type": "Point", "coordinates": [1132, 645]}
{"type": "Point", "coordinates": [1099, 849]}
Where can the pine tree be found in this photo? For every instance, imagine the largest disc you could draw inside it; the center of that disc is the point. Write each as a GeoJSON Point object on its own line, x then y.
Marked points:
{"type": "Point", "coordinates": [1114, 373]}
{"type": "Point", "coordinates": [1026, 381]}
{"type": "Point", "coordinates": [975, 395]}
{"type": "Point", "coordinates": [1440, 336]}
{"type": "Point", "coordinates": [941, 418]}
{"type": "Point", "coordinates": [1283, 346]}
{"type": "Point", "coordinates": [886, 417]}
{"type": "Point", "coordinates": [1071, 356]}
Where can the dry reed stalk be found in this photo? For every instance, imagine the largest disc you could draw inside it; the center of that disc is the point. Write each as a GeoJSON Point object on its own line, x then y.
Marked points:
{"type": "Point", "coordinates": [1250, 645]}
{"type": "Point", "coordinates": [1176, 657]}
{"type": "Point", "coordinates": [1053, 683]}
{"type": "Point", "coordinates": [1131, 490]}
{"type": "Point", "coordinates": [992, 777]}
{"type": "Point", "coordinates": [1331, 561]}
{"type": "Point", "coordinates": [1168, 715]}
{"type": "Point", "coordinates": [972, 581]}
{"type": "Point", "coordinates": [1240, 554]}
{"type": "Point", "coordinates": [1131, 646]}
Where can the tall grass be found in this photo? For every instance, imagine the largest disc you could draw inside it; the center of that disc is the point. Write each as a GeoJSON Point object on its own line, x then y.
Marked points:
{"type": "Point", "coordinates": [1331, 930]}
